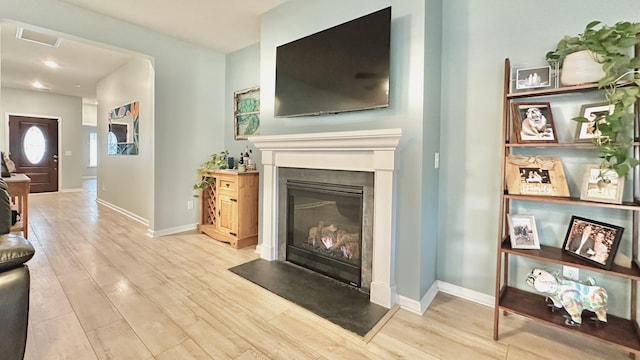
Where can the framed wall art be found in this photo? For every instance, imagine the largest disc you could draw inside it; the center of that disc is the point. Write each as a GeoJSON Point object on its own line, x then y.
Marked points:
{"type": "Point", "coordinates": [123, 131]}
{"type": "Point", "coordinates": [593, 241]}
{"type": "Point", "coordinates": [535, 175]}
{"type": "Point", "coordinates": [246, 113]}
{"type": "Point", "coordinates": [522, 232]}
{"type": "Point", "coordinates": [533, 123]}
{"type": "Point", "coordinates": [586, 129]}
{"type": "Point", "coordinates": [603, 185]}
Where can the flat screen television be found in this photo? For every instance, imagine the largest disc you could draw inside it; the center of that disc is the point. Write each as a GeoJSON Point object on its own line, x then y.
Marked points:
{"type": "Point", "coordinates": [343, 68]}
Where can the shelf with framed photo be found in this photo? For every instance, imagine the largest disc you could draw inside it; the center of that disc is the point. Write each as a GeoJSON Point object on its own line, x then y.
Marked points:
{"type": "Point", "coordinates": [552, 178]}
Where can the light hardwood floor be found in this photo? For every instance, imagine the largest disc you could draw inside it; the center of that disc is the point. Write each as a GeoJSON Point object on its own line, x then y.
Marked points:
{"type": "Point", "coordinates": [102, 289]}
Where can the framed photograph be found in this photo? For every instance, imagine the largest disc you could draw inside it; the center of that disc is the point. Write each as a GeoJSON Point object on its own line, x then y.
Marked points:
{"type": "Point", "coordinates": [533, 123]}
{"type": "Point", "coordinates": [522, 232]}
{"type": "Point", "coordinates": [585, 131]}
{"type": "Point", "coordinates": [592, 241]}
{"type": "Point", "coordinates": [535, 175]}
{"type": "Point", "coordinates": [246, 113]}
{"type": "Point", "coordinates": [533, 77]}
{"type": "Point", "coordinates": [602, 185]}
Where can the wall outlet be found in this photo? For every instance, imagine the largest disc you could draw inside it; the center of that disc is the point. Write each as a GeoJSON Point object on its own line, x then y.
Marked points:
{"type": "Point", "coordinates": [570, 272]}
{"type": "Point", "coordinates": [189, 204]}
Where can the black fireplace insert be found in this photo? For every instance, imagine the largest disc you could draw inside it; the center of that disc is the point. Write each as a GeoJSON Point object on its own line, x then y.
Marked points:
{"type": "Point", "coordinates": [324, 228]}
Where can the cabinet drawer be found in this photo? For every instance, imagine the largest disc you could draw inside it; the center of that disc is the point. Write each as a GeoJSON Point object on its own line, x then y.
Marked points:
{"type": "Point", "coordinates": [227, 186]}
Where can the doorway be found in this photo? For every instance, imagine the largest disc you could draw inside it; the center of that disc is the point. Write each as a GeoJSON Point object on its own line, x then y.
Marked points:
{"type": "Point", "coordinates": [33, 145]}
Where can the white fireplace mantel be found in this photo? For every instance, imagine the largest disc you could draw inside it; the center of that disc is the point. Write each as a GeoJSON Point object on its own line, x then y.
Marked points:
{"type": "Point", "coordinates": [368, 150]}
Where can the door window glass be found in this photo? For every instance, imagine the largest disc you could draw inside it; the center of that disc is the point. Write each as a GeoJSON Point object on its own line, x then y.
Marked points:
{"type": "Point", "coordinates": [34, 145]}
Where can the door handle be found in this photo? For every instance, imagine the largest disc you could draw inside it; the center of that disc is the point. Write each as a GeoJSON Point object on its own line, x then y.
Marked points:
{"type": "Point", "coordinates": [55, 156]}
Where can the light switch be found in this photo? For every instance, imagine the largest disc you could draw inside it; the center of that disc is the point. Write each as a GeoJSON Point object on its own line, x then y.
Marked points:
{"type": "Point", "coordinates": [67, 152]}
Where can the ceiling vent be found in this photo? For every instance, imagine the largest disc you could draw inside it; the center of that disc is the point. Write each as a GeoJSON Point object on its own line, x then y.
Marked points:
{"type": "Point", "coordinates": [38, 38]}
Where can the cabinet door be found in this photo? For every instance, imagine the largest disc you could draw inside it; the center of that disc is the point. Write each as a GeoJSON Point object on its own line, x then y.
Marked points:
{"type": "Point", "coordinates": [228, 221]}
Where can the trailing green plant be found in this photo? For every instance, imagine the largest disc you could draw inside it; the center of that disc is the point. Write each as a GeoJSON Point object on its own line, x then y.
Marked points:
{"type": "Point", "coordinates": [611, 47]}
{"type": "Point", "coordinates": [215, 162]}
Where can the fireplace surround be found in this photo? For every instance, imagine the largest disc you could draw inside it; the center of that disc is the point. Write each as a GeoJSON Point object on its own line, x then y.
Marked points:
{"type": "Point", "coordinates": [364, 151]}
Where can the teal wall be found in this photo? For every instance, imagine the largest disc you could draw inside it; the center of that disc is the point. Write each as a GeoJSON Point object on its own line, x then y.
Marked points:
{"type": "Point", "coordinates": [477, 37]}
{"type": "Point", "coordinates": [243, 72]}
{"type": "Point", "coordinates": [431, 137]}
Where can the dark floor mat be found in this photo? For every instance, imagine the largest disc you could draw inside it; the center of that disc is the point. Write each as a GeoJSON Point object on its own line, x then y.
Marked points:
{"type": "Point", "coordinates": [339, 303]}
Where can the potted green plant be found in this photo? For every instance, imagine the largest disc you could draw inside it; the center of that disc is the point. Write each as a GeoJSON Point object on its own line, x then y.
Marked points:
{"type": "Point", "coordinates": [215, 162]}
{"type": "Point", "coordinates": [611, 47]}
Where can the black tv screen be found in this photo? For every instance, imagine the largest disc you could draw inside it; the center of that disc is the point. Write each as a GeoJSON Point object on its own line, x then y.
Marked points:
{"type": "Point", "coordinates": [343, 68]}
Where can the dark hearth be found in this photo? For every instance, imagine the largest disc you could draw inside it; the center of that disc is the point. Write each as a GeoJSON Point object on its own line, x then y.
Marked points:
{"type": "Point", "coordinates": [337, 302]}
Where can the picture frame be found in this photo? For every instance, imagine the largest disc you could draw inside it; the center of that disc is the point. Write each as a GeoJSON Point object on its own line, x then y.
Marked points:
{"type": "Point", "coordinates": [533, 123]}
{"type": "Point", "coordinates": [585, 130]}
{"type": "Point", "coordinates": [535, 175]}
{"type": "Point", "coordinates": [593, 241]}
{"type": "Point", "coordinates": [522, 232]}
{"type": "Point", "coordinates": [533, 77]}
{"type": "Point", "coordinates": [246, 113]}
{"type": "Point", "coordinates": [602, 185]}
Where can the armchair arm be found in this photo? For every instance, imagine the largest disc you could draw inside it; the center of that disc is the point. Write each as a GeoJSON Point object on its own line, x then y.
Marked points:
{"type": "Point", "coordinates": [15, 250]}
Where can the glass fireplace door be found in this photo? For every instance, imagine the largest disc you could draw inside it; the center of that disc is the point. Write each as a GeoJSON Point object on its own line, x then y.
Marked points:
{"type": "Point", "coordinates": [324, 228]}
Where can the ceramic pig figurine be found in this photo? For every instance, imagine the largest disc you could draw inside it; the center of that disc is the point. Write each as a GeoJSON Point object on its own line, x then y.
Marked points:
{"type": "Point", "coordinates": [571, 295]}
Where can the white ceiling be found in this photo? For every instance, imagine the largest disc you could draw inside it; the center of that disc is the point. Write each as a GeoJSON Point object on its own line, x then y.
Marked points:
{"type": "Point", "coordinates": [222, 25]}
{"type": "Point", "coordinates": [81, 65]}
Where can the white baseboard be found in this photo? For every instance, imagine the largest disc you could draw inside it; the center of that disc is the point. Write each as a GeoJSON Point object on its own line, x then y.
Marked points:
{"type": "Point", "coordinates": [420, 307]}
{"type": "Point", "coordinates": [171, 231]}
{"type": "Point", "coordinates": [471, 295]}
{"type": "Point", "coordinates": [124, 212]}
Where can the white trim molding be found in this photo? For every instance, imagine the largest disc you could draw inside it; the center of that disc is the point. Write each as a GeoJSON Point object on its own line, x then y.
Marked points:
{"type": "Point", "coordinates": [467, 294]}
{"type": "Point", "coordinates": [124, 212]}
{"type": "Point", "coordinates": [171, 231]}
{"type": "Point", "coordinates": [420, 307]}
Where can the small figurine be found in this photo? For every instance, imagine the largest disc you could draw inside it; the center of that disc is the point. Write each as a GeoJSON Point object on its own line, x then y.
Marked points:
{"type": "Point", "coordinates": [571, 295]}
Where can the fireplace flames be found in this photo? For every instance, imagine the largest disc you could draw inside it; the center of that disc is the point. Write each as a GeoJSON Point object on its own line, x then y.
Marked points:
{"type": "Point", "coordinates": [336, 240]}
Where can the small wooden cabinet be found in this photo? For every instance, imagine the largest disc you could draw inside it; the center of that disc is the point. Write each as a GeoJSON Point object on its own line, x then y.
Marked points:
{"type": "Point", "coordinates": [229, 207]}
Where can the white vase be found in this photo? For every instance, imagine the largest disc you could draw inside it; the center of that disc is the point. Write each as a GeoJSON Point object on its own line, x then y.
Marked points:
{"type": "Point", "coordinates": [581, 68]}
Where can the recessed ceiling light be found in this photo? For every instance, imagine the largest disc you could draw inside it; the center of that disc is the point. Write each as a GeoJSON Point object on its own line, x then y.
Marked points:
{"type": "Point", "coordinates": [51, 64]}
{"type": "Point", "coordinates": [38, 85]}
